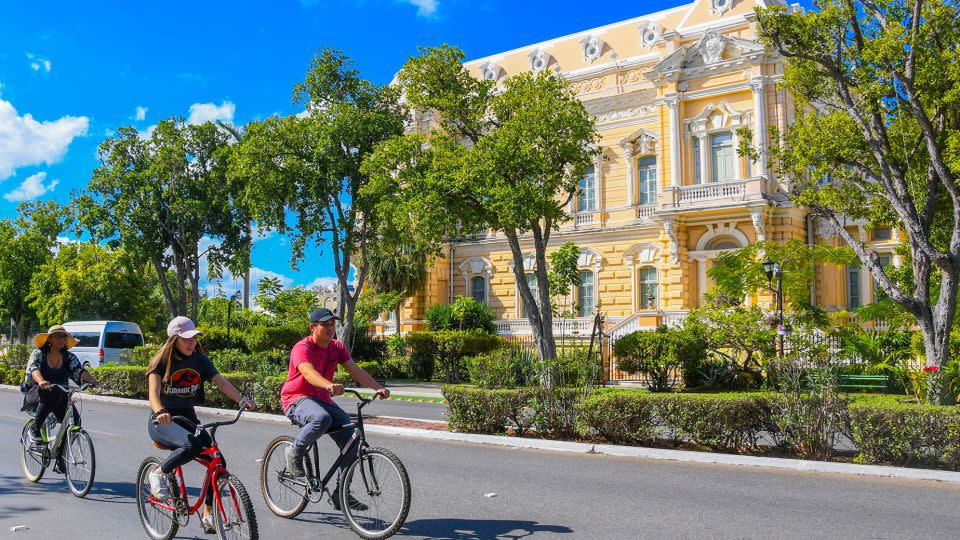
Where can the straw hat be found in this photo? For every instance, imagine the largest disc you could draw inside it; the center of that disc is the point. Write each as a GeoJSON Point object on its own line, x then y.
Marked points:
{"type": "Point", "coordinates": [41, 339]}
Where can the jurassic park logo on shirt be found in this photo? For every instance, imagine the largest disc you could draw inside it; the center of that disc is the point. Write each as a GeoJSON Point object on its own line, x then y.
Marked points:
{"type": "Point", "coordinates": [183, 383]}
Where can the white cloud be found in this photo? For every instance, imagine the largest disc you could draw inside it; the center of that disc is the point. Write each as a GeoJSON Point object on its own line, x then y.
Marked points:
{"type": "Point", "coordinates": [38, 63]}
{"type": "Point", "coordinates": [209, 112]}
{"type": "Point", "coordinates": [24, 141]}
{"type": "Point", "coordinates": [425, 8]}
{"type": "Point", "coordinates": [325, 283]}
{"type": "Point", "coordinates": [141, 113]}
{"type": "Point", "coordinates": [31, 188]}
{"type": "Point", "coordinates": [261, 234]}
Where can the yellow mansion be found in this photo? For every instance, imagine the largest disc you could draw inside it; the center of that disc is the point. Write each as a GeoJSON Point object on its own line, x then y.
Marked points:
{"type": "Point", "coordinates": [668, 91]}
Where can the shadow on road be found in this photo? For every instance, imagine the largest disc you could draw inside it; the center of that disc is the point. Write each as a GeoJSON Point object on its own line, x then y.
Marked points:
{"type": "Point", "coordinates": [478, 529]}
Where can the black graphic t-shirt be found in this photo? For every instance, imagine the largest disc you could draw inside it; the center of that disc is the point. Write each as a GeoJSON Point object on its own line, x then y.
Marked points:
{"type": "Point", "coordinates": [184, 388]}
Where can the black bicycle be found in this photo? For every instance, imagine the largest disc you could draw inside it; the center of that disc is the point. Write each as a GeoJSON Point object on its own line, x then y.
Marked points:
{"type": "Point", "coordinates": [374, 490]}
{"type": "Point", "coordinates": [71, 450]}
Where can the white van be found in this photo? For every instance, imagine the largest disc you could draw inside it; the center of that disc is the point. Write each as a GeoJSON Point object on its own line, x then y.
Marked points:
{"type": "Point", "coordinates": [103, 341]}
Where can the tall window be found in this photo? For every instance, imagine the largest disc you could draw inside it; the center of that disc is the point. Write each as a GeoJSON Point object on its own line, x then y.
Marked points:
{"type": "Point", "coordinates": [696, 161]}
{"type": "Point", "coordinates": [722, 157]}
{"type": "Point", "coordinates": [648, 288]}
{"type": "Point", "coordinates": [478, 288]}
{"type": "Point", "coordinates": [647, 174]}
{"type": "Point", "coordinates": [532, 283]}
{"type": "Point", "coordinates": [587, 198]}
{"type": "Point", "coordinates": [586, 298]}
{"type": "Point", "coordinates": [853, 287]}
{"type": "Point", "coordinates": [391, 315]}
{"type": "Point", "coordinates": [881, 233]}
{"type": "Point", "coordinates": [883, 261]}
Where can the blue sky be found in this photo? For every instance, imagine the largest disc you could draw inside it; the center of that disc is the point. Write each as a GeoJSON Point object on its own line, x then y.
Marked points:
{"type": "Point", "coordinates": [71, 72]}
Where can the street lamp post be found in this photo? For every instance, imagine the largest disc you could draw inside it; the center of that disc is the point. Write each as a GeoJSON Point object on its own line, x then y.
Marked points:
{"type": "Point", "coordinates": [772, 269]}
{"type": "Point", "coordinates": [230, 302]}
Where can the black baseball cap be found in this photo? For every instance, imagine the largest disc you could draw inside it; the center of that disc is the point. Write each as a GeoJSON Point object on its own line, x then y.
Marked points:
{"type": "Point", "coordinates": [322, 315]}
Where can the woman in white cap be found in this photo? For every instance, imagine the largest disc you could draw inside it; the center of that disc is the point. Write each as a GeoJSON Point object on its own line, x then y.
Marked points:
{"type": "Point", "coordinates": [175, 380]}
{"type": "Point", "coordinates": [53, 363]}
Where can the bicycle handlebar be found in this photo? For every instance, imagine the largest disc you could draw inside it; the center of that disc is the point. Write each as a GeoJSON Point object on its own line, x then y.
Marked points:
{"type": "Point", "coordinates": [200, 427]}
{"type": "Point", "coordinates": [68, 390]}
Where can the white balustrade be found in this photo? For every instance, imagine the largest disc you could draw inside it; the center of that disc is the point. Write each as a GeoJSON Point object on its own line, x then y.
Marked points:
{"type": "Point", "coordinates": [584, 218]}
{"type": "Point", "coordinates": [711, 191]}
{"type": "Point", "coordinates": [645, 212]}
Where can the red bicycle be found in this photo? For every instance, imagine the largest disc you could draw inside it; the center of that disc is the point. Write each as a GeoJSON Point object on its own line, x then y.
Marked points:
{"type": "Point", "coordinates": [232, 509]}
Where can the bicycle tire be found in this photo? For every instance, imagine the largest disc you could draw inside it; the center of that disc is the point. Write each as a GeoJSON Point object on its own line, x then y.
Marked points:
{"type": "Point", "coordinates": [167, 525]}
{"type": "Point", "coordinates": [240, 515]}
{"type": "Point", "coordinates": [33, 467]}
{"type": "Point", "coordinates": [79, 487]}
{"type": "Point", "coordinates": [368, 477]}
{"type": "Point", "coordinates": [272, 487]}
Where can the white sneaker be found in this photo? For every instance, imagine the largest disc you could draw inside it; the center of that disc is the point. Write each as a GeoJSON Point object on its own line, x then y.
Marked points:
{"type": "Point", "coordinates": [207, 523]}
{"type": "Point", "coordinates": [160, 484]}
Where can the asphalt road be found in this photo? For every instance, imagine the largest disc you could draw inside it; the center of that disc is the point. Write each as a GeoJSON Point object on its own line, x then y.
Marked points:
{"type": "Point", "coordinates": [538, 494]}
{"type": "Point", "coordinates": [401, 409]}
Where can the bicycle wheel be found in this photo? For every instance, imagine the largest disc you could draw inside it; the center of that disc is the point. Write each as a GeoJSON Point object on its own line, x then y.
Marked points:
{"type": "Point", "coordinates": [283, 496]}
{"type": "Point", "coordinates": [379, 487]}
{"type": "Point", "coordinates": [234, 518]}
{"type": "Point", "coordinates": [160, 523]}
{"type": "Point", "coordinates": [81, 462]}
{"type": "Point", "coordinates": [31, 459]}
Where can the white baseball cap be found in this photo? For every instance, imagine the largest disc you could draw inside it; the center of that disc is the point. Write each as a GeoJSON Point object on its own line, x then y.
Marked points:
{"type": "Point", "coordinates": [183, 327]}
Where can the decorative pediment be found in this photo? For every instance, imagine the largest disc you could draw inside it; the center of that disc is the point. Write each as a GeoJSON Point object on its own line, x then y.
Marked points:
{"type": "Point", "coordinates": [641, 254]}
{"type": "Point", "coordinates": [644, 142]}
{"type": "Point", "coordinates": [529, 262]}
{"type": "Point", "coordinates": [716, 116]}
{"type": "Point", "coordinates": [592, 47]}
{"type": "Point", "coordinates": [589, 258]}
{"type": "Point", "coordinates": [476, 265]}
{"type": "Point", "coordinates": [712, 49]}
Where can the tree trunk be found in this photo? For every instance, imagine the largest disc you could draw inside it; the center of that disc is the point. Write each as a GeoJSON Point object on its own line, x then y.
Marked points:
{"type": "Point", "coordinates": [348, 310]}
{"type": "Point", "coordinates": [164, 286]}
{"type": "Point", "coordinates": [936, 339]}
{"type": "Point", "coordinates": [246, 289]}
{"type": "Point", "coordinates": [22, 328]}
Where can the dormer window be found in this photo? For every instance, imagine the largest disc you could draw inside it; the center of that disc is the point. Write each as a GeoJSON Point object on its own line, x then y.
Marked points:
{"type": "Point", "coordinates": [592, 49]}
{"type": "Point", "coordinates": [539, 60]}
{"type": "Point", "coordinates": [720, 6]}
{"type": "Point", "coordinates": [490, 72]}
{"type": "Point", "coordinates": [649, 34]}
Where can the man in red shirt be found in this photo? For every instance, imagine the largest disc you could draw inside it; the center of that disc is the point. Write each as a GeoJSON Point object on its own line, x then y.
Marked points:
{"type": "Point", "coordinates": [307, 394]}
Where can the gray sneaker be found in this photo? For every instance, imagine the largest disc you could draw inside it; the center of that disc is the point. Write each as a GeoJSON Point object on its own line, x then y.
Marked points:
{"type": "Point", "coordinates": [295, 463]}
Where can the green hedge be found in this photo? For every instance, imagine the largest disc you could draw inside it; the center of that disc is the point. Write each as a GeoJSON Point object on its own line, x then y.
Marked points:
{"type": "Point", "coordinates": [906, 434]}
{"type": "Point", "coordinates": [11, 375]}
{"type": "Point", "coordinates": [474, 410]}
{"type": "Point", "coordinates": [265, 338]}
{"type": "Point", "coordinates": [447, 350]}
{"type": "Point", "coordinates": [16, 355]}
{"type": "Point", "coordinates": [122, 381]}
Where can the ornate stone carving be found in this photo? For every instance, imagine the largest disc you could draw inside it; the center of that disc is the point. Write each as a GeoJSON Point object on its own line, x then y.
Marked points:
{"type": "Point", "coordinates": [632, 112]}
{"type": "Point", "coordinates": [672, 101]}
{"type": "Point", "coordinates": [757, 85]}
{"type": "Point", "coordinates": [670, 228]}
{"type": "Point", "coordinates": [712, 46]}
{"type": "Point", "coordinates": [592, 49]}
{"type": "Point", "coordinates": [760, 224]}
{"type": "Point", "coordinates": [490, 72]}
{"type": "Point", "coordinates": [539, 60]}
{"type": "Point", "coordinates": [719, 7]}
{"type": "Point", "coordinates": [649, 33]}
{"type": "Point", "coordinates": [589, 85]}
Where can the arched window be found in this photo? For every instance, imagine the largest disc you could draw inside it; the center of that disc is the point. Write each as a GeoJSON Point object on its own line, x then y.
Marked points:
{"type": "Point", "coordinates": [587, 197]}
{"type": "Point", "coordinates": [647, 175]}
{"type": "Point", "coordinates": [478, 288]}
{"type": "Point", "coordinates": [586, 295]}
{"type": "Point", "coordinates": [648, 287]}
{"type": "Point", "coordinates": [532, 283]}
{"type": "Point", "coordinates": [724, 242]}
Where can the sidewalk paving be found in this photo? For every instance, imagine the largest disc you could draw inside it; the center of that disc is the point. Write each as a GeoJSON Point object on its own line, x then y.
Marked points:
{"type": "Point", "coordinates": [903, 473]}
{"type": "Point", "coordinates": [410, 391]}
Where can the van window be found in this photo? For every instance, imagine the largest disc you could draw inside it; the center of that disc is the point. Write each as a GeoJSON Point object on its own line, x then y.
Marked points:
{"type": "Point", "coordinates": [87, 339]}
{"type": "Point", "coordinates": [122, 340]}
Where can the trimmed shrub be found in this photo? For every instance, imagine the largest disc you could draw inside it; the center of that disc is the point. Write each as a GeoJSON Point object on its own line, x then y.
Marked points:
{"type": "Point", "coordinates": [723, 422]}
{"type": "Point", "coordinates": [618, 416]}
{"type": "Point", "coordinates": [265, 338]}
{"type": "Point", "coordinates": [555, 410]}
{"type": "Point", "coordinates": [11, 374]}
{"type": "Point", "coordinates": [140, 356]}
{"type": "Point", "coordinates": [267, 393]}
{"type": "Point", "coordinates": [423, 354]}
{"type": "Point", "coordinates": [502, 368]}
{"type": "Point", "coordinates": [16, 355]}
{"type": "Point", "coordinates": [651, 353]}
{"type": "Point", "coordinates": [396, 345]}
{"type": "Point", "coordinates": [215, 338]}
{"type": "Point", "coordinates": [122, 381]}
{"type": "Point", "coordinates": [905, 434]}
{"type": "Point", "coordinates": [235, 360]}
{"type": "Point", "coordinates": [475, 410]}
{"type": "Point", "coordinates": [440, 317]}
{"type": "Point", "coordinates": [244, 382]}
{"type": "Point", "coordinates": [447, 349]}
{"type": "Point", "coordinates": [397, 367]}
{"type": "Point", "coordinates": [369, 349]}
{"type": "Point", "coordinates": [464, 314]}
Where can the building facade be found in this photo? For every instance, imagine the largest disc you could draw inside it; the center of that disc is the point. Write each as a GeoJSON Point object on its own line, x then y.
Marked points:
{"type": "Point", "coordinates": [668, 191]}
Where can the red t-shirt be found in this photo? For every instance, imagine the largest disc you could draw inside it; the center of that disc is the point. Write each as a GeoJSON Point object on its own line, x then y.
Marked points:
{"type": "Point", "coordinates": [324, 360]}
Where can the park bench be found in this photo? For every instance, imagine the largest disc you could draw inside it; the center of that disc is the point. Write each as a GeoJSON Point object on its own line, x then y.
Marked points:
{"type": "Point", "coordinates": [877, 383]}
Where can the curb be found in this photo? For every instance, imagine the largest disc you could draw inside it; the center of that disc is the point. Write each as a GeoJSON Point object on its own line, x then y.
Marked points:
{"type": "Point", "coordinates": [683, 456]}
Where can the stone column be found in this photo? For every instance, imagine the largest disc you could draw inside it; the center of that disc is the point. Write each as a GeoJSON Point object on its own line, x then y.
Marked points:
{"type": "Point", "coordinates": [628, 156]}
{"type": "Point", "coordinates": [597, 183]}
{"type": "Point", "coordinates": [673, 102]}
{"type": "Point", "coordinates": [759, 124]}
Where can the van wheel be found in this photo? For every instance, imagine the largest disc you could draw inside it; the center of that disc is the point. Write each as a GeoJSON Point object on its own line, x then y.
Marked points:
{"type": "Point", "coordinates": [86, 365]}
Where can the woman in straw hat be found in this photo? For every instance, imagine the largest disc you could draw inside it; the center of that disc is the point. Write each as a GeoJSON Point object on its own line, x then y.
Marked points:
{"type": "Point", "coordinates": [53, 363]}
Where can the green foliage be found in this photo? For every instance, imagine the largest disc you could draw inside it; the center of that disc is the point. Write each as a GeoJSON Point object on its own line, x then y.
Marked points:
{"type": "Point", "coordinates": [265, 338]}
{"type": "Point", "coordinates": [505, 367]}
{"type": "Point", "coordinates": [215, 338]}
{"type": "Point", "coordinates": [396, 345]}
{"type": "Point", "coordinates": [156, 196]}
{"type": "Point", "coordinates": [464, 314]}
{"type": "Point", "coordinates": [10, 374]}
{"type": "Point", "coordinates": [660, 355]}
{"type": "Point", "coordinates": [291, 305]}
{"type": "Point", "coordinates": [213, 313]}
{"type": "Point", "coordinates": [122, 381]}
{"type": "Point", "coordinates": [397, 367]}
{"type": "Point", "coordinates": [742, 336]}
{"type": "Point", "coordinates": [274, 362]}
{"type": "Point", "coordinates": [619, 417]}
{"type": "Point", "coordinates": [447, 349]}
{"type": "Point", "coordinates": [555, 410]}
{"type": "Point", "coordinates": [564, 274]}
{"type": "Point", "coordinates": [16, 355]}
{"type": "Point", "coordinates": [906, 435]}
{"type": "Point", "coordinates": [473, 410]}
{"type": "Point", "coordinates": [369, 348]}
{"type": "Point", "coordinates": [140, 356]}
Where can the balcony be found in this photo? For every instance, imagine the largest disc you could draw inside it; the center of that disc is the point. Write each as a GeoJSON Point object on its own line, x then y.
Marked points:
{"type": "Point", "coordinates": [645, 213]}
{"type": "Point", "coordinates": [581, 326]}
{"type": "Point", "coordinates": [588, 218]}
{"type": "Point", "coordinates": [713, 194]}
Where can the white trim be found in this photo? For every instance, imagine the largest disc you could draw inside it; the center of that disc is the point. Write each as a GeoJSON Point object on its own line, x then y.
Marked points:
{"type": "Point", "coordinates": [718, 230]}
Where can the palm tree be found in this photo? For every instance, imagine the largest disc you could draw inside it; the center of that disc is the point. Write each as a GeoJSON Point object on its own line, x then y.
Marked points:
{"type": "Point", "coordinates": [400, 268]}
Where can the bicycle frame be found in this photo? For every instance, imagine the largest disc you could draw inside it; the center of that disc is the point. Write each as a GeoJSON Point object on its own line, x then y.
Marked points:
{"type": "Point", "coordinates": [214, 462]}
{"type": "Point", "coordinates": [54, 450]}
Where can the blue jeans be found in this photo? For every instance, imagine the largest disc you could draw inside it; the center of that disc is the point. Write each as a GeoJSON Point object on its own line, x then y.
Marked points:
{"type": "Point", "coordinates": [315, 418]}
